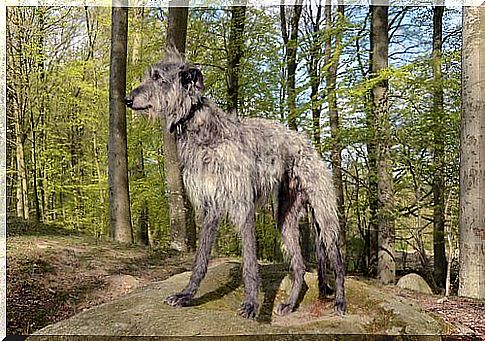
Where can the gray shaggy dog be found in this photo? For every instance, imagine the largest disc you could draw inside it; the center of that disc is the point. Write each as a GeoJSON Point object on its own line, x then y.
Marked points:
{"type": "Point", "coordinates": [230, 167]}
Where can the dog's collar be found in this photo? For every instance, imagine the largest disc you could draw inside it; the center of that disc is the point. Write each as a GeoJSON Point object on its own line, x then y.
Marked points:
{"type": "Point", "coordinates": [193, 109]}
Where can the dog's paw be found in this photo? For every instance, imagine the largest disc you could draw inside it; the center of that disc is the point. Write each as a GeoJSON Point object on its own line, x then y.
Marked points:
{"type": "Point", "coordinates": [283, 309]}
{"type": "Point", "coordinates": [340, 306]}
{"type": "Point", "coordinates": [178, 300]}
{"type": "Point", "coordinates": [248, 310]}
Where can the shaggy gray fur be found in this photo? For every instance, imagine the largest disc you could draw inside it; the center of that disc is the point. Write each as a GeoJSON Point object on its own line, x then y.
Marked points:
{"type": "Point", "coordinates": [232, 166]}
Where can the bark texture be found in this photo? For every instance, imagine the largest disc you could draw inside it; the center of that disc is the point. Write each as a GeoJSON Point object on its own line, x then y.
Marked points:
{"type": "Point", "coordinates": [119, 198]}
{"type": "Point", "coordinates": [235, 54]}
{"type": "Point", "coordinates": [472, 160]}
{"type": "Point", "coordinates": [438, 152]}
{"type": "Point", "coordinates": [290, 40]}
{"type": "Point", "coordinates": [386, 267]}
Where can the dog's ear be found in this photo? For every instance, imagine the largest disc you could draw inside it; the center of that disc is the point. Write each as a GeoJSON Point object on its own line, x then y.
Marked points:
{"type": "Point", "coordinates": [192, 78]}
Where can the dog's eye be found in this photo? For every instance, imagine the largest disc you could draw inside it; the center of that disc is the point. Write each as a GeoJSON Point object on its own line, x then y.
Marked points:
{"type": "Point", "coordinates": [156, 75]}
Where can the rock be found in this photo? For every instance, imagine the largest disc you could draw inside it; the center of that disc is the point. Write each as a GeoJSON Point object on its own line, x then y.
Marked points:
{"type": "Point", "coordinates": [371, 309]}
{"type": "Point", "coordinates": [414, 282]}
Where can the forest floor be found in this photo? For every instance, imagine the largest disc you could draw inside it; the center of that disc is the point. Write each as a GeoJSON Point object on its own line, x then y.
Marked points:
{"type": "Point", "coordinates": [52, 275]}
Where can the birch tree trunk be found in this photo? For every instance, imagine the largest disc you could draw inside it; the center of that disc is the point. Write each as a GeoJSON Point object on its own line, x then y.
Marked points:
{"type": "Point", "coordinates": [472, 158]}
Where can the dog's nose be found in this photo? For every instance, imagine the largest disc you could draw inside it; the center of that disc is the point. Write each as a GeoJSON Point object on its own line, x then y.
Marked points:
{"type": "Point", "coordinates": [128, 101]}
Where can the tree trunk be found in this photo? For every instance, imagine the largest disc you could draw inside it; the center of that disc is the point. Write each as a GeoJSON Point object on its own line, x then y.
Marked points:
{"type": "Point", "coordinates": [336, 151]}
{"type": "Point", "coordinates": [386, 266]}
{"type": "Point", "coordinates": [142, 229]}
{"type": "Point", "coordinates": [235, 53]}
{"type": "Point", "coordinates": [177, 24]}
{"type": "Point", "coordinates": [119, 199]}
{"type": "Point", "coordinates": [291, 45]}
{"type": "Point", "coordinates": [182, 222]}
{"type": "Point", "coordinates": [472, 159]}
{"type": "Point", "coordinates": [438, 155]}
{"type": "Point", "coordinates": [372, 233]}
{"type": "Point", "coordinates": [136, 53]}
{"type": "Point", "coordinates": [22, 190]}
{"type": "Point", "coordinates": [315, 75]}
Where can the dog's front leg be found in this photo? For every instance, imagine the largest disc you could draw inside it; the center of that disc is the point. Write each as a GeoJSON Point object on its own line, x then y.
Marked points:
{"type": "Point", "coordinates": [249, 307]}
{"type": "Point", "coordinates": [199, 269]}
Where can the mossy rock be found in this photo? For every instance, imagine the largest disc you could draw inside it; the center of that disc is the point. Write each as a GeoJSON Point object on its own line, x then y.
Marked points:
{"type": "Point", "coordinates": [371, 309]}
{"type": "Point", "coordinates": [414, 282]}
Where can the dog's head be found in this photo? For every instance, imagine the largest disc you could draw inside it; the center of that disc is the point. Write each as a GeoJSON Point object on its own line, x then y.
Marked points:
{"type": "Point", "coordinates": [171, 88]}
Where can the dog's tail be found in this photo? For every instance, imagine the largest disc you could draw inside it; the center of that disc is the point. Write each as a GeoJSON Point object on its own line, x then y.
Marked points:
{"type": "Point", "coordinates": [316, 181]}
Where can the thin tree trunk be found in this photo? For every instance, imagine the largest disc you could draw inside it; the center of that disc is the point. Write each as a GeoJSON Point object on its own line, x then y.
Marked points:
{"type": "Point", "coordinates": [100, 181]}
{"type": "Point", "coordinates": [142, 228]}
{"type": "Point", "coordinates": [182, 222]}
{"type": "Point", "coordinates": [472, 158]}
{"type": "Point", "coordinates": [386, 267]}
{"type": "Point", "coordinates": [451, 249]}
{"type": "Point", "coordinates": [291, 44]}
{"type": "Point", "coordinates": [119, 199]}
{"type": "Point", "coordinates": [438, 155]}
{"type": "Point", "coordinates": [315, 75]}
{"type": "Point", "coordinates": [34, 169]}
{"type": "Point", "coordinates": [136, 53]}
{"type": "Point", "coordinates": [336, 151]}
{"type": "Point", "coordinates": [235, 53]}
{"type": "Point", "coordinates": [22, 190]}
{"type": "Point", "coordinates": [372, 234]}
{"type": "Point", "coordinates": [142, 235]}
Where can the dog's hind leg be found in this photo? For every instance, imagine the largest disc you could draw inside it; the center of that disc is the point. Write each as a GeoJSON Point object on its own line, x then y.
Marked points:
{"type": "Point", "coordinates": [199, 269]}
{"type": "Point", "coordinates": [323, 288]}
{"type": "Point", "coordinates": [291, 201]}
{"type": "Point", "coordinates": [336, 258]}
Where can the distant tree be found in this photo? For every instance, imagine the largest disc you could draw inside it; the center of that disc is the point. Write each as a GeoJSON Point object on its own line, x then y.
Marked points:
{"type": "Point", "coordinates": [372, 233]}
{"type": "Point", "coordinates": [290, 39]}
{"type": "Point", "coordinates": [438, 151]}
{"type": "Point", "coordinates": [332, 56]}
{"type": "Point", "coordinates": [472, 160]}
{"type": "Point", "coordinates": [119, 198]}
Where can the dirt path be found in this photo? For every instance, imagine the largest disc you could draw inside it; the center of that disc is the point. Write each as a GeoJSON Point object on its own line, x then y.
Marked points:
{"type": "Point", "coordinates": [52, 277]}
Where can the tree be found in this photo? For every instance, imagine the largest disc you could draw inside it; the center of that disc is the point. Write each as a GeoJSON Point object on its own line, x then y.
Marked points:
{"type": "Point", "coordinates": [235, 53]}
{"type": "Point", "coordinates": [380, 115]}
{"type": "Point", "coordinates": [438, 151]}
{"type": "Point", "coordinates": [472, 158]}
{"type": "Point", "coordinates": [142, 234]}
{"type": "Point", "coordinates": [331, 60]}
{"type": "Point", "coordinates": [315, 32]}
{"type": "Point", "coordinates": [182, 223]}
{"type": "Point", "coordinates": [119, 198]}
{"type": "Point", "coordinates": [290, 40]}
{"type": "Point", "coordinates": [372, 234]}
